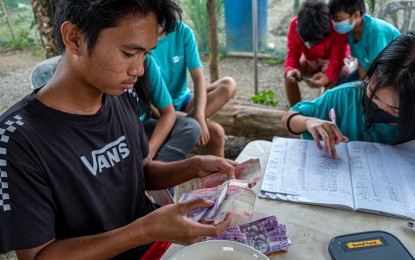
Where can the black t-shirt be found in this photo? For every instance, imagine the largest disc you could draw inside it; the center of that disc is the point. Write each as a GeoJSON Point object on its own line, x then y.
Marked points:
{"type": "Point", "coordinates": [65, 175]}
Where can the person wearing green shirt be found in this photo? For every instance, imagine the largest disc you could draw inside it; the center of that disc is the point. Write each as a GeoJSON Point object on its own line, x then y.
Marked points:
{"type": "Point", "coordinates": [177, 56]}
{"type": "Point", "coordinates": [171, 138]}
{"type": "Point", "coordinates": [368, 35]}
{"type": "Point", "coordinates": [380, 109]}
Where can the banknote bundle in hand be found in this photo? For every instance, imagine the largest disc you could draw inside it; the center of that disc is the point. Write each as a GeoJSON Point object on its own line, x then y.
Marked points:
{"type": "Point", "coordinates": [229, 195]}
{"type": "Point", "coordinates": [232, 196]}
{"type": "Point", "coordinates": [265, 235]}
{"type": "Point", "coordinates": [249, 170]}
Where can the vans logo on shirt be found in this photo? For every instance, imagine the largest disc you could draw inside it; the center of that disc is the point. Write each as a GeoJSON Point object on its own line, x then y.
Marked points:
{"type": "Point", "coordinates": [107, 156]}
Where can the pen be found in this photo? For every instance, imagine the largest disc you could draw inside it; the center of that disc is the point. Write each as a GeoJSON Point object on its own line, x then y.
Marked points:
{"type": "Point", "coordinates": [412, 226]}
{"type": "Point", "coordinates": [332, 115]}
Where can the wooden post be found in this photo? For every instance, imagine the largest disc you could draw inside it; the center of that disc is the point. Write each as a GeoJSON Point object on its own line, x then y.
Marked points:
{"type": "Point", "coordinates": [43, 12]}
{"type": "Point", "coordinates": [213, 40]}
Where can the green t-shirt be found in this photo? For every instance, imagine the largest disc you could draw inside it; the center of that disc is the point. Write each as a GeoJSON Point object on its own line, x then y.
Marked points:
{"type": "Point", "coordinates": [157, 92]}
{"type": "Point", "coordinates": [175, 54]}
{"type": "Point", "coordinates": [376, 35]}
{"type": "Point", "coordinates": [350, 118]}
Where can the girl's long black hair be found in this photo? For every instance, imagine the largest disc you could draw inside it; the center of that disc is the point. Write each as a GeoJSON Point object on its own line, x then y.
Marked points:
{"type": "Point", "coordinates": [394, 68]}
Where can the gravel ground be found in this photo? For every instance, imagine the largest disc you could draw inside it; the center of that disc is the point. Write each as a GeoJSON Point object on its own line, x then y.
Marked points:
{"type": "Point", "coordinates": [14, 76]}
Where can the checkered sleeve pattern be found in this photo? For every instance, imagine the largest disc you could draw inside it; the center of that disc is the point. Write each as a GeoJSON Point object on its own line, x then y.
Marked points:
{"type": "Point", "coordinates": [10, 127]}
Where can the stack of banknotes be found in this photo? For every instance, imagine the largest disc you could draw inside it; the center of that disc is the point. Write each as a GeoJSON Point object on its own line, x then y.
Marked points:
{"type": "Point", "coordinates": [233, 196]}
{"type": "Point", "coordinates": [265, 235]}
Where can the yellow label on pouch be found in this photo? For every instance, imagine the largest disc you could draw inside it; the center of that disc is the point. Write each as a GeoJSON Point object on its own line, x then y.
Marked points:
{"type": "Point", "coordinates": [367, 243]}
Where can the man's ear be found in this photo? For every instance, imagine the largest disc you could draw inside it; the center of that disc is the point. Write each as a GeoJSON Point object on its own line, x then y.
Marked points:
{"type": "Point", "coordinates": [356, 15]}
{"type": "Point", "coordinates": [72, 38]}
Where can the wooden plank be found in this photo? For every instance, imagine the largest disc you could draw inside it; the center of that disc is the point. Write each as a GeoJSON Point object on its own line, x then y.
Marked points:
{"type": "Point", "coordinates": [252, 121]}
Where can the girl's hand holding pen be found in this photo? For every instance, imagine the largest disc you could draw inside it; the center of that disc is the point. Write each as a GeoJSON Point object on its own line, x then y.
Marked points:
{"type": "Point", "coordinates": [328, 131]}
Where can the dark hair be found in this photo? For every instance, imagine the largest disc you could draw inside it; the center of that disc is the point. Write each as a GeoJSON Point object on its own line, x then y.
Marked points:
{"type": "Point", "coordinates": [394, 68]}
{"type": "Point", "coordinates": [92, 17]}
{"type": "Point", "coordinates": [313, 23]}
{"type": "Point", "coordinates": [348, 6]}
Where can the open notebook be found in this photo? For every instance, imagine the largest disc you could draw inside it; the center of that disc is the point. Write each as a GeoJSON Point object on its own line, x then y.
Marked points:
{"type": "Point", "coordinates": [368, 177]}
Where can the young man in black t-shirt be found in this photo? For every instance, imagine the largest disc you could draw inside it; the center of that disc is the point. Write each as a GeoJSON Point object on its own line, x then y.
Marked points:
{"type": "Point", "coordinates": [74, 165]}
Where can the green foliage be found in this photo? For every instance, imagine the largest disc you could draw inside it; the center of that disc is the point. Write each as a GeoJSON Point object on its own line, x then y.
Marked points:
{"type": "Point", "coordinates": [11, 3]}
{"type": "Point", "coordinates": [23, 41]}
{"type": "Point", "coordinates": [265, 97]}
{"type": "Point", "coordinates": [196, 12]}
{"type": "Point", "coordinates": [18, 30]}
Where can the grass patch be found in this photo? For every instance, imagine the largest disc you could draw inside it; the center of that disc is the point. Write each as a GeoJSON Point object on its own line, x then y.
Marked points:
{"type": "Point", "coordinates": [22, 41]}
{"type": "Point", "coordinates": [266, 98]}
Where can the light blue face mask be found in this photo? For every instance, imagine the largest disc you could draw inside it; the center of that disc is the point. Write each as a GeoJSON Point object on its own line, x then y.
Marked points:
{"type": "Point", "coordinates": [343, 27]}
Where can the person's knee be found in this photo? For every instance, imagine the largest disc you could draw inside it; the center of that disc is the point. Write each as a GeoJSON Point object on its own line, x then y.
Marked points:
{"type": "Point", "coordinates": [228, 87]}
{"type": "Point", "coordinates": [232, 86]}
{"type": "Point", "coordinates": [216, 131]}
{"type": "Point", "coordinates": [182, 139]}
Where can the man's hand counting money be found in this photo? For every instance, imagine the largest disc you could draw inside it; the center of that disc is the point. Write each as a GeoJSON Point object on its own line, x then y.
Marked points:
{"type": "Point", "coordinates": [211, 164]}
{"type": "Point", "coordinates": [232, 196]}
{"type": "Point", "coordinates": [235, 198]}
{"type": "Point", "coordinates": [249, 170]}
{"type": "Point", "coordinates": [171, 223]}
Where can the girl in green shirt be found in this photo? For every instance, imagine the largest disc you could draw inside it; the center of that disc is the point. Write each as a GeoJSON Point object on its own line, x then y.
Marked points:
{"type": "Point", "coordinates": [381, 109]}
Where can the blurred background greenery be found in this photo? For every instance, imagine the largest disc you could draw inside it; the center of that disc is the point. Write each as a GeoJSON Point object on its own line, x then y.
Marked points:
{"type": "Point", "coordinates": [18, 30]}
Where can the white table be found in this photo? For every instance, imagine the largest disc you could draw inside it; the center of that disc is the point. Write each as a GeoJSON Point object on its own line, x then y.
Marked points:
{"type": "Point", "coordinates": [311, 227]}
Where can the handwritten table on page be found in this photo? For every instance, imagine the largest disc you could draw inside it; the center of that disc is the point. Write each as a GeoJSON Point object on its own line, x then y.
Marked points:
{"type": "Point", "coordinates": [368, 177]}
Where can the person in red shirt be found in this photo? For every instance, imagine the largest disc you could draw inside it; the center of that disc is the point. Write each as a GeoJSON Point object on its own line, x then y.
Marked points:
{"type": "Point", "coordinates": [315, 50]}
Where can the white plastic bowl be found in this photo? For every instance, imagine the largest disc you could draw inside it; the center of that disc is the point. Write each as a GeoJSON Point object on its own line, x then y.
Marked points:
{"type": "Point", "coordinates": [218, 250]}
